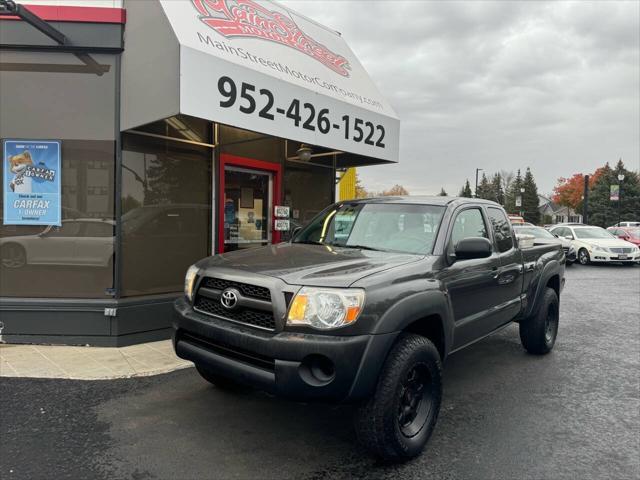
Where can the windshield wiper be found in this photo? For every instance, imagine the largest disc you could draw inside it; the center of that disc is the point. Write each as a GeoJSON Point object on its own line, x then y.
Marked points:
{"type": "Point", "coordinates": [363, 247]}
{"type": "Point", "coordinates": [313, 242]}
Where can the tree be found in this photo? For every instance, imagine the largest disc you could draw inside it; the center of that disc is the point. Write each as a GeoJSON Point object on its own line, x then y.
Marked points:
{"type": "Point", "coordinates": [530, 199]}
{"type": "Point", "coordinates": [443, 193]}
{"type": "Point", "coordinates": [569, 191]}
{"type": "Point", "coordinates": [484, 189]}
{"type": "Point", "coordinates": [465, 191]}
{"type": "Point", "coordinates": [605, 212]}
{"type": "Point", "coordinates": [512, 193]}
{"type": "Point", "coordinates": [498, 192]}
{"type": "Point", "coordinates": [361, 192]}
{"type": "Point", "coordinates": [507, 178]}
{"type": "Point", "coordinates": [395, 191]}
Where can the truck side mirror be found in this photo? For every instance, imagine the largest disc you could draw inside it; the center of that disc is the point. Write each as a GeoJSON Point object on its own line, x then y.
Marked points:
{"type": "Point", "coordinates": [473, 247]}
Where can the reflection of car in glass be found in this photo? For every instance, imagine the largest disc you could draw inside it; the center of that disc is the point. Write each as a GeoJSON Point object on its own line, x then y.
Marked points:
{"type": "Point", "coordinates": [544, 237]}
{"type": "Point", "coordinates": [78, 242]}
{"type": "Point", "coordinates": [595, 244]}
{"type": "Point", "coordinates": [629, 234]}
{"type": "Point", "coordinates": [364, 304]}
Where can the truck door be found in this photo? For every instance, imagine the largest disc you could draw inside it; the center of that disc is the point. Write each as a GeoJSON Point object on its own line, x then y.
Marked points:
{"type": "Point", "coordinates": [510, 275]}
{"type": "Point", "coordinates": [471, 284]}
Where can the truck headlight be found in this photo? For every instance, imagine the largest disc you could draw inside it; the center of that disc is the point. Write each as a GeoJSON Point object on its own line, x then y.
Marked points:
{"type": "Point", "coordinates": [325, 308]}
{"type": "Point", "coordinates": [190, 281]}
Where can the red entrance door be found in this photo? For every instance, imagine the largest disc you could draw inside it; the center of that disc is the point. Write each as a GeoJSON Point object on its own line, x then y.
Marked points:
{"type": "Point", "coordinates": [248, 191]}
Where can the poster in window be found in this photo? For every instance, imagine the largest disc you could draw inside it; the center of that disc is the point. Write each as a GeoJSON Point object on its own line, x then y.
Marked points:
{"type": "Point", "coordinates": [31, 182]}
{"type": "Point", "coordinates": [246, 198]}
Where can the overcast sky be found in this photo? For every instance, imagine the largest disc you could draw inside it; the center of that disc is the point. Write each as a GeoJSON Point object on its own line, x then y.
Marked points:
{"type": "Point", "coordinates": [497, 85]}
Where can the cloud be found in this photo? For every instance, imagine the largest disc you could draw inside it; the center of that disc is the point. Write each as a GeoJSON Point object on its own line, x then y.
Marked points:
{"type": "Point", "coordinates": [497, 85]}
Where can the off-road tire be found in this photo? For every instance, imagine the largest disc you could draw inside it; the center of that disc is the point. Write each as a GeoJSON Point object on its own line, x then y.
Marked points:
{"type": "Point", "coordinates": [223, 383]}
{"type": "Point", "coordinates": [377, 421]}
{"type": "Point", "coordinates": [538, 333]}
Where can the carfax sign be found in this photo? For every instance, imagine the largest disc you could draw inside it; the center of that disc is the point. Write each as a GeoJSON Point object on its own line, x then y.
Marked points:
{"type": "Point", "coordinates": [31, 182]}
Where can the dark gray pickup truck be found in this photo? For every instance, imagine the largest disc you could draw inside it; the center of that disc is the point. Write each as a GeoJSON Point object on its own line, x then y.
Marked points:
{"type": "Point", "coordinates": [365, 304]}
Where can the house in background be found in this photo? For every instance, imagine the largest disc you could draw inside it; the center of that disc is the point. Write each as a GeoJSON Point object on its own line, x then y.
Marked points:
{"type": "Point", "coordinates": [557, 213]}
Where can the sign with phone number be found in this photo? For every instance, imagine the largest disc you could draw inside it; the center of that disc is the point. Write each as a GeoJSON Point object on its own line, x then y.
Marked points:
{"type": "Point", "coordinates": [241, 97]}
{"type": "Point", "coordinates": [250, 100]}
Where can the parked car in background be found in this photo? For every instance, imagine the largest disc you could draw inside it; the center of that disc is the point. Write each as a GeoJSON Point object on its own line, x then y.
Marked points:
{"type": "Point", "coordinates": [627, 224]}
{"type": "Point", "coordinates": [595, 244]}
{"type": "Point", "coordinates": [544, 237]}
{"type": "Point", "coordinates": [516, 220]}
{"type": "Point", "coordinates": [79, 242]}
{"type": "Point", "coordinates": [630, 234]}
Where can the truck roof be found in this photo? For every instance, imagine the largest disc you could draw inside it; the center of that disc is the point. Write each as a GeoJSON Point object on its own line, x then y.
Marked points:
{"type": "Point", "coordinates": [422, 200]}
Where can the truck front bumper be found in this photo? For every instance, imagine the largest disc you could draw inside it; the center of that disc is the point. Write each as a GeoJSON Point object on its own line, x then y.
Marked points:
{"type": "Point", "coordinates": [293, 365]}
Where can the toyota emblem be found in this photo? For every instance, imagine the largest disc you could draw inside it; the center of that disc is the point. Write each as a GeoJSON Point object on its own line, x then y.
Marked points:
{"type": "Point", "coordinates": [229, 299]}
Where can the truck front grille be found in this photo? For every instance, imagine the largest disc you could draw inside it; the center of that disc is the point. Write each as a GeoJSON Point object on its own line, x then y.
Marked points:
{"type": "Point", "coordinates": [247, 290]}
{"type": "Point", "coordinates": [255, 318]}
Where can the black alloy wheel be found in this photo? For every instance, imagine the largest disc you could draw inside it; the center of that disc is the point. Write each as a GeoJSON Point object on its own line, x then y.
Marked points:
{"type": "Point", "coordinates": [415, 400]}
{"type": "Point", "coordinates": [396, 422]}
{"type": "Point", "coordinates": [551, 325]}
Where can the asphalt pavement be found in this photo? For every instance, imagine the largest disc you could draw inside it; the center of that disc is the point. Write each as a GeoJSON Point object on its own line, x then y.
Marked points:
{"type": "Point", "coordinates": [574, 414]}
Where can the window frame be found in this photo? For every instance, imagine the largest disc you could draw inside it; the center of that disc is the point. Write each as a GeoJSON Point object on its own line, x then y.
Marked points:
{"type": "Point", "coordinates": [493, 233]}
{"type": "Point", "coordinates": [450, 248]}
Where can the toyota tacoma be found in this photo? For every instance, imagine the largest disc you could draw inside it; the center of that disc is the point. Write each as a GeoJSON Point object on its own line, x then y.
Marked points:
{"type": "Point", "coordinates": [364, 305]}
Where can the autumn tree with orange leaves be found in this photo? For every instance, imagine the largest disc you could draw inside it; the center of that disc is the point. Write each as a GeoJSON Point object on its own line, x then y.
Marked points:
{"type": "Point", "coordinates": [569, 191]}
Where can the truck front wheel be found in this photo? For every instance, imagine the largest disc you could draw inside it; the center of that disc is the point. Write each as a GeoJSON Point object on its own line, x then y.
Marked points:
{"type": "Point", "coordinates": [538, 332]}
{"type": "Point", "coordinates": [397, 421]}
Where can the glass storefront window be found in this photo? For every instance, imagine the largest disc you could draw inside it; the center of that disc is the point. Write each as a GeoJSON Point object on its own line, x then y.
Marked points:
{"type": "Point", "coordinates": [166, 206]}
{"type": "Point", "coordinates": [53, 96]}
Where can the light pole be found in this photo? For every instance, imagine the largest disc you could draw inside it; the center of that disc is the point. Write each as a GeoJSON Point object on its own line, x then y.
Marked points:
{"type": "Point", "coordinates": [620, 179]}
{"type": "Point", "coordinates": [475, 192]}
{"type": "Point", "coordinates": [522, 202]}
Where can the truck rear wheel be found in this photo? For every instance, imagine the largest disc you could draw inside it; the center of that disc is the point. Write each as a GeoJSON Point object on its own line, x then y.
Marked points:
{"type": "Point", "coordinates": [223, 383]}
{"type": "Point", "coordinates": [538, 333]}
{"type": "Point", "coordinates": [397, 421]}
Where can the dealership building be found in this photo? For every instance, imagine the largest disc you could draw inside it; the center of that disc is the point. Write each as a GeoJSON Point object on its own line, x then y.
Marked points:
{"type": "Point", "coordinates": [184, 129]}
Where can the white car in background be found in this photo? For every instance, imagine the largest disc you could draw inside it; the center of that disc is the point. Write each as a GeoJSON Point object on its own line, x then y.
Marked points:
{"type": "Point", "coordinates": [595, 244]}
{"type": "Point", "coordinates": [78, 242]}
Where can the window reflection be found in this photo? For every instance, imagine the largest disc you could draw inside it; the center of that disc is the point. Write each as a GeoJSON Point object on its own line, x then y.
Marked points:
{"type": "Point", "coordinates": [166, 221]}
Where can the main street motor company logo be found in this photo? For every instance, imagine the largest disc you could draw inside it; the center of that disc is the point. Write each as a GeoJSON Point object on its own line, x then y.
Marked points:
{"type": "Point", "coordinates": [245, 18]}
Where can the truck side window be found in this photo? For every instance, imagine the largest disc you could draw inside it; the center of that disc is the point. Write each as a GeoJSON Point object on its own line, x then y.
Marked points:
{"type": "Point", "coordinates": [468, 223]}
{"type": "Point", "coordinates": [501, 229]}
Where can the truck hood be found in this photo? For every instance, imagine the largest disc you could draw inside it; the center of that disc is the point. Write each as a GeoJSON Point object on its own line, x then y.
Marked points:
{"type": "Point", "coordinates": [313, 265]}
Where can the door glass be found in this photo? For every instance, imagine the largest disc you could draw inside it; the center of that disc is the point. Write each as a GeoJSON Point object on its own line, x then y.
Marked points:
{"type": "Point", "coordinates": [247, 203]}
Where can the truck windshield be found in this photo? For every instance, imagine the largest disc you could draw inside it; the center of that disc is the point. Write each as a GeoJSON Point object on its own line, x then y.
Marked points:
{"type": "Point", "coordinates": [375, 226]}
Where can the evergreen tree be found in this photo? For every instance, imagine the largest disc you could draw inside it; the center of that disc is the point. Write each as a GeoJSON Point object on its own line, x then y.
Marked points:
{"type": "Point", "coordinates": [603, 211]}
{"type": "Point", "coordinates": [443, 193]}
{"type": "Point", "coordinates": [514, 191]}
{"type": "Point", "coordinates": [497, 191]}
{"type": "Point", "coordinates": [530, 199]}
{"type": "Point", "coordinates": [484, 188]}
{"type": "Point", "coordinates": [465, 191]}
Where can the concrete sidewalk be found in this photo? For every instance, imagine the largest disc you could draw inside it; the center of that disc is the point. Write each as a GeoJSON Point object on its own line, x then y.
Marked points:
{"type": "Point", "coordinates": [88, 363]}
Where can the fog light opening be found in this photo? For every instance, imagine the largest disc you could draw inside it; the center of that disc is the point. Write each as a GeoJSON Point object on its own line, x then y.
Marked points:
{"type": "Point", "coordinates": [317, 370]}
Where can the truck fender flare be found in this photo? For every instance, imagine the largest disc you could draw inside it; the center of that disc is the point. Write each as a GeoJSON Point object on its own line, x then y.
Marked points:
{"type": "Point", "coordinates": [550, 269]}
{"type": "Point", "coordinates": [433, 303]}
